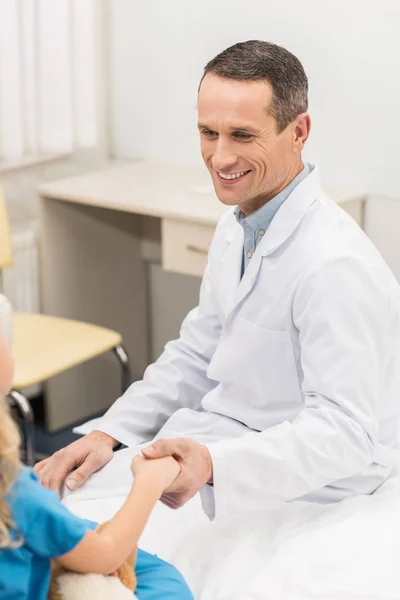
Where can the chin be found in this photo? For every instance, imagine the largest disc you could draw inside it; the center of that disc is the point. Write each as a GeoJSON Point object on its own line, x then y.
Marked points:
{"type": "Point", "coordinates": [229, 199]}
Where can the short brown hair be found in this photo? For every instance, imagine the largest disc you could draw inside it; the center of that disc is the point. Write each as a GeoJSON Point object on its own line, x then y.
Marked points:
{"type": "Point", "coordinates": [256, 60]}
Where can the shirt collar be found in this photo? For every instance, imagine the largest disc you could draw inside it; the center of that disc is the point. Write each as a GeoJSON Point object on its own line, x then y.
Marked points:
{"type": "Point", "coordinates": [262, 218]}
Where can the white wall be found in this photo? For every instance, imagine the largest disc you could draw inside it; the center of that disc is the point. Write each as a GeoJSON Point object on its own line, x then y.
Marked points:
{"type": "Point", "coordinates": [47, 77]}
{"type": "Point", "coordinates": [349, 48]}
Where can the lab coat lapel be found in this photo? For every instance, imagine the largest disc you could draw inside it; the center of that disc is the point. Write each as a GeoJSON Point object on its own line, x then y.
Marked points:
{"type": "Point", "coordinates": [283, 225]}
{"type": "Point", "coordinates": [249, 278]}
{"type": "Point", "coordinates": [291, 213]}
{"type": "Point", "coordinates": [231, 266]}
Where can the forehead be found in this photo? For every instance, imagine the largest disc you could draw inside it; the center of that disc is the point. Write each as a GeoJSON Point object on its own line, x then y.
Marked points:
{"type": "Point", "coordinates": [228, 100]}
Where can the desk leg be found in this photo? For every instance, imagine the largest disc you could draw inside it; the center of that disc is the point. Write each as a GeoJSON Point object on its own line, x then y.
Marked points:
{"type": "Point", "coordinates": [92, 270]}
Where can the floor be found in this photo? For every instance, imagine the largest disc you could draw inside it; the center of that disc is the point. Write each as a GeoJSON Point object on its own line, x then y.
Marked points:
{"type": "Point", "coordinates": [47, 443]}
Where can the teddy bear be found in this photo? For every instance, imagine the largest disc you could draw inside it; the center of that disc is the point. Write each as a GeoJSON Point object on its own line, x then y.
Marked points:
{"type": "Point", "coordinates": [66, 585]}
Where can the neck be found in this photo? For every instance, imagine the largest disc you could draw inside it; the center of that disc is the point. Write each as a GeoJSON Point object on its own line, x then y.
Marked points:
{"type": "Point", "coordinates": [250, 206]}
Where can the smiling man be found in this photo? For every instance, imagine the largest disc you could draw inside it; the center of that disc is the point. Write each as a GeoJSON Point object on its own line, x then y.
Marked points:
{"type": "Point", "coordinates": [246, 142]}
{"type": "Point", "coordinates": [284, 382]}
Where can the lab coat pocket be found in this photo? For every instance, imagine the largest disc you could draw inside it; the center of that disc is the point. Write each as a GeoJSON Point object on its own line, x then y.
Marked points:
{"type": "Point", "coordinates": [259, 359]}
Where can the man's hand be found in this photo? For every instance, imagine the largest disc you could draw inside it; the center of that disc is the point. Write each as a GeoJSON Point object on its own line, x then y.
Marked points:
{"type": "Point", "coordinates": [196, 468]}
{"type": "Point", "coordinates": [87, 455]}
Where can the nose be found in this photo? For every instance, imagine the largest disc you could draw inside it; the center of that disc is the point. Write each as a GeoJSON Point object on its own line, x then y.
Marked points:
{"type": "Point", "coordinates": [224, 157]}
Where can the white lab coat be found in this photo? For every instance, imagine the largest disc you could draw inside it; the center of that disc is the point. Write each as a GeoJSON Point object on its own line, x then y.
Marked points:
{"type": "Point", "coordinates": [290, 376]}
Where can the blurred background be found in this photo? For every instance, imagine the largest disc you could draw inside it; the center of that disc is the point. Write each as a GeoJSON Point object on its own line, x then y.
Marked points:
{"type": "Point", "coordinates": [92, 85]}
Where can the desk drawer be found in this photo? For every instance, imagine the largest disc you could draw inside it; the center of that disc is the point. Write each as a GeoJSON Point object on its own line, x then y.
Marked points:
{"type": "Point", "coordinates": [185, 247]}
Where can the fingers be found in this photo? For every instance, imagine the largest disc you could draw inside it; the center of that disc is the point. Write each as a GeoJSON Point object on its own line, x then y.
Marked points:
{"type": "Point", "coordinates": [162, 448]}
{"type": "Point", "coordinates": [90, 465]}
{"type": "Point", "coordinates": [138, 459]}
{"type": "Point", "coordinates": [52, 471]}
{"type": "Point", "coordinates": [159, 449]}
{"type": "Point", "coordinates": [86, 455]}
{"type": "Point", "coordinates": [173, 501]}
{"type": "Point", "coordinates": [39, 466]}
{"type": "Point", "coordinates": [169, 503]}
{"type": "Point", "coordinates": [177, 485]}
{"type": "Point", "coordinates": [137, 462]}
{"type": "Point", "coordinates": [175, 466]}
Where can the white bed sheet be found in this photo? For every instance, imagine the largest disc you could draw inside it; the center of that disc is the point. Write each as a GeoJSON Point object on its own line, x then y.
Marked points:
{"type": "Point", "coordinates": [299, 551]}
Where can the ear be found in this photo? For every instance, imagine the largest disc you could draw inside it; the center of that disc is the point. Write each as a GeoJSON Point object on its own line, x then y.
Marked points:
{"type": "Point", "coordinates": [301, 130]}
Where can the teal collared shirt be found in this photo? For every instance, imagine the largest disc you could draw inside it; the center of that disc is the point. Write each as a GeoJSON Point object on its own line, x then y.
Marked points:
{"type": "Point", "coordinates": [256, 224]}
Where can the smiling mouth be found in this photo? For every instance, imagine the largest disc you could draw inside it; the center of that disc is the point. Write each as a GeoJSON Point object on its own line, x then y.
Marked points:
{"type": "Point", "coordinates": [232, 177]}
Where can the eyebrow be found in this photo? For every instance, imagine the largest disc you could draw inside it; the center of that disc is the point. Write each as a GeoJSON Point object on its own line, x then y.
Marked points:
{"type": "Point", "coordinates": [245, 129]}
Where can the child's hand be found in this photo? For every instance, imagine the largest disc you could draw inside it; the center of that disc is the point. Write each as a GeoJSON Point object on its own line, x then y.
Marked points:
{"type": "Point", "coordinates": [163, 470]}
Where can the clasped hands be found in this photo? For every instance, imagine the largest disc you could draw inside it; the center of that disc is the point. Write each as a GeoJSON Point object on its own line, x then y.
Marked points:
{"type": "Point", "coordinates": [195, 468]}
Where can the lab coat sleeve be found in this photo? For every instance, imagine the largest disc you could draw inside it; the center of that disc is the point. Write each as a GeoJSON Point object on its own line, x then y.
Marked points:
{"type": "Point", "coordinates": [343, 319]}
{"type": "Point", "coordinates": [176, 380]}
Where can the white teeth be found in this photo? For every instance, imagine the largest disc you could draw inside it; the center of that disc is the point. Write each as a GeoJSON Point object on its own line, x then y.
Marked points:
{"type": "Point", "coordinates": [232, 175]}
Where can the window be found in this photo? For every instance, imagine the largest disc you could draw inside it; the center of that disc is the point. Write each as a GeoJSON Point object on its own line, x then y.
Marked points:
{"type": "Point", "coordinates": [47, 77]}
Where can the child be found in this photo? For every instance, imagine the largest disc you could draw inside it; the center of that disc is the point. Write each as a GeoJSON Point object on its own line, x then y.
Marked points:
{"type": "Point", "coordinates": [35, 527]}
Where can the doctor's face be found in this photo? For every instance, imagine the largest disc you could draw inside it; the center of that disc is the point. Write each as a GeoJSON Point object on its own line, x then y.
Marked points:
{"type": "Point", "coordinates": [249, 161]}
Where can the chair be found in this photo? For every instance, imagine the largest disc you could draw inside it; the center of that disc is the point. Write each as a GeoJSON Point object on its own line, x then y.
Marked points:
{"type": "Point", "coordinates": [45, 346]}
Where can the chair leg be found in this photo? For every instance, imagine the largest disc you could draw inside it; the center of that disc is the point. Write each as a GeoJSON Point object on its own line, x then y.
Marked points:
{"type": "Point", "coordinates": [123, 360]}
{"type": "Point", "coordinates": [22, 404]}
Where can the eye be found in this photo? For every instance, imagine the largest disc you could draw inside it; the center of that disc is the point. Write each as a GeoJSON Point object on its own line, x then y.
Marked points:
{"type": "Point", "coordinates": [242, 137]}
{"type": "Point", "coordinates": [209, 134]}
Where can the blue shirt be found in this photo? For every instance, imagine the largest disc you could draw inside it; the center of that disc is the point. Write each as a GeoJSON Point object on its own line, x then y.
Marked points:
{"type": "Point", "coordinates": [256, 224]}
{"type": "Point", "coordinates": [48, 530]}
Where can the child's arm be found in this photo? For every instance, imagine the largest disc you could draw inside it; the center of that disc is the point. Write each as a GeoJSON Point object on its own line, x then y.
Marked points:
{"type": "Point", "coordinates": [105, 551]}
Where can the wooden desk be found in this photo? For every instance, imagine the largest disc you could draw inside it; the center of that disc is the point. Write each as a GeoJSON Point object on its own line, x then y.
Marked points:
{"type": "Point", "coordinates": [98, 231]}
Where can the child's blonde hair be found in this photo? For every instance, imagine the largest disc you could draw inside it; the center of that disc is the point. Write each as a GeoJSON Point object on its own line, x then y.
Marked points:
{"type": "Point", "coordinates": [10, 466]}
